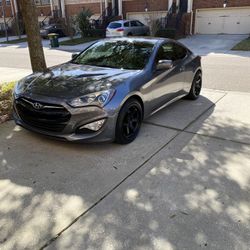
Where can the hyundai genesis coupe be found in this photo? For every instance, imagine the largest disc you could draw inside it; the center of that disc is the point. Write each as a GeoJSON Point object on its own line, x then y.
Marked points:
{"type": "Point", "coordinates": [105, 92]}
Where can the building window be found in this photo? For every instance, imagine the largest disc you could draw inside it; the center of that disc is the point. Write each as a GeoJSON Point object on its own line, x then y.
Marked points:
{"type": "Point", "coordinates": [42, 2]}
{"type": "Point", "coordinates": [7, 2]}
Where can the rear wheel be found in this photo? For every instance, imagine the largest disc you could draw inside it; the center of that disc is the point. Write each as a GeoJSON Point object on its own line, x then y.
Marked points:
{"type": "Point", "coordinates": [128, 122]}
{"type": "Point", "coordinates": [196, 87]}
{"type": "Point", "coordinates": [130, 34]}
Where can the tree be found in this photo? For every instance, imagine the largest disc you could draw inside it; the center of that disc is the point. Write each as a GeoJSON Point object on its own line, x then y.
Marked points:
{"type": "Point", "coordinates": [83, 21]}
{"type": "Point", "coordinates": [29, 14]}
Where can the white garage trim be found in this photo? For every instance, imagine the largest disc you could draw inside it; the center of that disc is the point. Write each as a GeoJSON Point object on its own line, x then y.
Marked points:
{"type": "Point", "coordinates": [233, 20]}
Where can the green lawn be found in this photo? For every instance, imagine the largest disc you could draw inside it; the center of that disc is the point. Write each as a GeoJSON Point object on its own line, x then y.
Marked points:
{"type": "Point", "coordinates": [21, 40]}
{"type": "Point", "coordinates": [243, 45]}
{"type": "Point", "coordinates": [6, 90]}
{"type": "Point", "coordinates": [77, 41]}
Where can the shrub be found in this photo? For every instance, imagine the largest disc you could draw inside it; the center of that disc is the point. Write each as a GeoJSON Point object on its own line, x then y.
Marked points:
{"type": "Point", "coordinates": [84, 22]}
{"type": "Point", "coordinates": [167, 33]}
{"type": "Point", "coordinates": [6, 101]}
{"type": "Point", "coordinates": [97, 32]}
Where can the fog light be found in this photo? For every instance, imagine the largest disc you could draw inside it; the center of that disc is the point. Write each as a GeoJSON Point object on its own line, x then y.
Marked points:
{"type": "Point", "coordinates": [94, 126]}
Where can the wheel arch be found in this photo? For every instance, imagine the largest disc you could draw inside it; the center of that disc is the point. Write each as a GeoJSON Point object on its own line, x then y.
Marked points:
{"type": "Point", "coordinates": [136, 96]}
{"type": "Point", "coordinates": [197, 70]}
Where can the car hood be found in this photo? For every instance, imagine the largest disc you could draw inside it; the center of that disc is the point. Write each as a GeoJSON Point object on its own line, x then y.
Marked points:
{"type": "Point", "coordinates": [72, 80]}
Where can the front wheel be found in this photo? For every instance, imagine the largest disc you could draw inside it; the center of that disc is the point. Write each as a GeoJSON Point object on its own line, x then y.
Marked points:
{"type": "Point", "coordinates": [196, 87]}
{"type": "Point", "coordinates": [128, 122]}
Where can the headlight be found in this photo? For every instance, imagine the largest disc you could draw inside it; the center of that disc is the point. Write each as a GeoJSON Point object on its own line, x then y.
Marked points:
{"type": "Point", "coordinates": [98, 98]}
{"type": "Point", "coordinates": [18, 89]}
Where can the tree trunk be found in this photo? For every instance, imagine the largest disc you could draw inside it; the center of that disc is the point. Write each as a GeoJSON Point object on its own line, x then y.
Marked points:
{"type": "Point", "coordinates": [29, 14]}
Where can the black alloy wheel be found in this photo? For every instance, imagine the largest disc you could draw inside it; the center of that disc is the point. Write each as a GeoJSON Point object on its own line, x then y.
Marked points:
{"type": "Point", "coordinates": [129, 122]}
{"type": "Point", "coordinates": [196, 87]}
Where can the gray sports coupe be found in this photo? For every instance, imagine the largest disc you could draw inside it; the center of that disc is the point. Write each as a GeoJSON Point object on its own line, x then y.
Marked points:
{"type": "Point", "coordinates": [105, 92]}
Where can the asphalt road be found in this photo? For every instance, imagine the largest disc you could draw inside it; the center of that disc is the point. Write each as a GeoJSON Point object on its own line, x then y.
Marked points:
{"type": "Point", "coordinates": [223, 68]}
{"type": "Point", "coordinates": [18, 57]}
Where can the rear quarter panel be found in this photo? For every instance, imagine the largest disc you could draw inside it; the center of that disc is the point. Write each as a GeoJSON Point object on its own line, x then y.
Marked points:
{"type": "Point", "coordinates": [192, 65]}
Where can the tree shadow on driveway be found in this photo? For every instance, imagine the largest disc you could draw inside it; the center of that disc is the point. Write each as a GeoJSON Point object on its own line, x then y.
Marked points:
{"type": "Point", "coordinates": [183, 192]}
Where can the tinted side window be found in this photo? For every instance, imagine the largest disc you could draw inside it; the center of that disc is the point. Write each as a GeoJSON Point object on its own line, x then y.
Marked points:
{"type": "Point", "coordinates": [139, 23]}
{"type": "Point", "coordinates": [126, 24]}
{"type": "Point", "coordinates": [166, 52]}
{"type": "Point", "coordinates": [180, 52]}
{"type": "Point", "coordinates": [133, 23]}
{"type": "Point", "coordinates": [171, 51]}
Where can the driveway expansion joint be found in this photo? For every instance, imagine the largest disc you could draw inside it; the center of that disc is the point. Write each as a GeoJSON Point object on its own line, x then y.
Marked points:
{"type": "Point", "coordinates": [107, 194]}
{"type": "Point", "coordinates": [179, 131]}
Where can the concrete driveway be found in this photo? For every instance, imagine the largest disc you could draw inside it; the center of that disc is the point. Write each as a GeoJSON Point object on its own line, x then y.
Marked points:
{"type": "Point", "coordinates": [206, 44]}
{"type": "Point", "coordinates": [183, 184]}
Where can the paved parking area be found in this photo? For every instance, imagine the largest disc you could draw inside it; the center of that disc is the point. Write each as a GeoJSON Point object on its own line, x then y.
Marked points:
{"type": "Point", "coordinates": [183, 184]}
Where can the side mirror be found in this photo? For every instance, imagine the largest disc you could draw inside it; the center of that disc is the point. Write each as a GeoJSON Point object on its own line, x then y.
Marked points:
{"type": "Point", "coordinates": [74, 55]}
{"type": "Point", "coordinates": [164, 65]}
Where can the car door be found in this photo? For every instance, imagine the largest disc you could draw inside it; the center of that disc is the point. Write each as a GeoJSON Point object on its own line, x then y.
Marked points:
{"type": "Point", "coordinates": [168, 84]}
{"type": "Point", "coordinates": [140, 28]}
{"type": "Point", "coordinates": [126, 28]}
{"type": "Point", "coordinates": [134, 28]}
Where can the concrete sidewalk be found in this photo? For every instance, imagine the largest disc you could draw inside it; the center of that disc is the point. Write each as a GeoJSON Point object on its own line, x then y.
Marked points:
{"type": "Point", "coordinates": [12, 74]}
{"type": "Point", "coordinates": [183, 184]}
{"type": "Point", "coordinates": [17, 63]}
{"type": "Point", "coordinates": [46, 44]}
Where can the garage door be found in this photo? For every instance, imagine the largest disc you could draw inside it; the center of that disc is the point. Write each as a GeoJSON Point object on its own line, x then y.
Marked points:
{"type": "Point", "coordinates": [146, 17]}
{"type": "Point", "coordinates": [223, 21]}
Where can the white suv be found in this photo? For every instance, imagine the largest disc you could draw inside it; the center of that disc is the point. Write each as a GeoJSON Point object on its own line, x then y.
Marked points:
{"type": "Point", "coordinates": [127, 28]}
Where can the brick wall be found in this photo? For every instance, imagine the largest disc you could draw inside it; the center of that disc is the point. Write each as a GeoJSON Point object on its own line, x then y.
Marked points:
{"type": "Point", "coordinates": [7, 9]}
{"type": "Point", "coordinates": [44, 10]}
{"type": "Point", "coordinates": [72, 9]}
{"type": "Point", "coordinates": [199, 4]}
{"type": "Point", "coordinates": [140, 5]}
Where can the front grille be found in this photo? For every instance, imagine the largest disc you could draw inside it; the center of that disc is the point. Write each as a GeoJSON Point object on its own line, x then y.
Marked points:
{"type": "Point", "coordinates": [45, 116]}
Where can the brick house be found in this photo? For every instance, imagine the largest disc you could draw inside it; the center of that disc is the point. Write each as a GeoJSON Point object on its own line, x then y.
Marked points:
{"type": "Point", "coordinates": [196, 16]}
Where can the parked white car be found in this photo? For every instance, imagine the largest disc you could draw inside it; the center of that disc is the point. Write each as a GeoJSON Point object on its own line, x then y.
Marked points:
{"type": "Point", "coordinates": [127, 28]}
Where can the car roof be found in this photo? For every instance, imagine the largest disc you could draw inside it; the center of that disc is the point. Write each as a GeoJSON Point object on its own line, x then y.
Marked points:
{"type": "Point", "coordinates": [123, 21]}
{"type": "Point", "coordinates": [138, 39]}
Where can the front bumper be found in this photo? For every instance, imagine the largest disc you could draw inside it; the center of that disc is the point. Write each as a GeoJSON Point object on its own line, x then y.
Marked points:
{"type": "Point", "coordinates": [78, 118]}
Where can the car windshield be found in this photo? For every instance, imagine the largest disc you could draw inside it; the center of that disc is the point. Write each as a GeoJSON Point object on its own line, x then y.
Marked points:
{"type": "Point", "coordinates": [115, 25]}
{"type": "Point", "coordinates": [132, 55]}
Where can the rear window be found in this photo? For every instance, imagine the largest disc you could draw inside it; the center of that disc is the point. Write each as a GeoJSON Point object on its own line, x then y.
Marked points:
{"type": "Point", "coordinates": [115, 25]}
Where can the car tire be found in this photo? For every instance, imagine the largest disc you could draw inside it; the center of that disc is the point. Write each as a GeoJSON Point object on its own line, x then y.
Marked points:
{"type": "Point", "coordinates": [196, 87]}
{"type": "Point", "coordinates": [128, 122]}
{"type": "Point", "coordinates": [130, 34]}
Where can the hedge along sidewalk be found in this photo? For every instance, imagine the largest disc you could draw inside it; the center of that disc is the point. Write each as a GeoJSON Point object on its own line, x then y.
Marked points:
{"type": "Point", "coordinates": [6, 90]}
